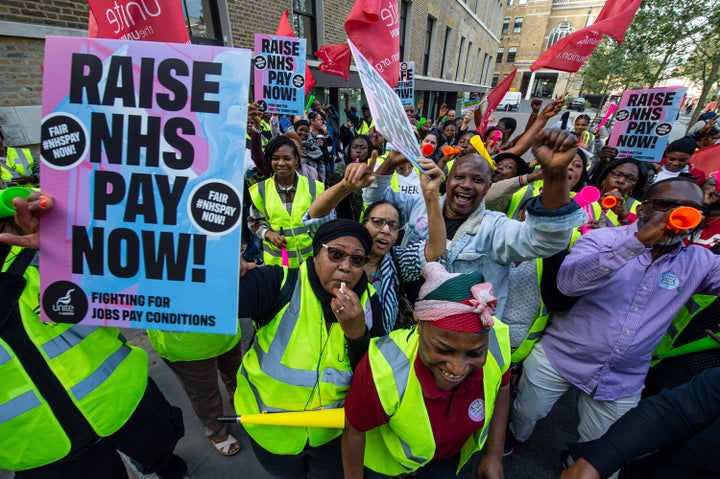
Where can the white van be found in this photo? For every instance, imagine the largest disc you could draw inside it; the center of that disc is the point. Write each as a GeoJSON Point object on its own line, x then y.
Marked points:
{"type": "Point", "coordinates": [511, 101]}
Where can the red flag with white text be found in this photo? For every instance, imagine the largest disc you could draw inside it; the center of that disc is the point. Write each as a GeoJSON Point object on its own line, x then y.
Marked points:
{"type": "Point", "coordinates": [570, 53]}
{"type": "Point", "coordinates": [158, 21]}
{"type": "Point", "coordinates": [284, 29]}
{"type": "Point", "coordinates": [494, 98]}
{"type": "Point", "coordinates": [374, 28]}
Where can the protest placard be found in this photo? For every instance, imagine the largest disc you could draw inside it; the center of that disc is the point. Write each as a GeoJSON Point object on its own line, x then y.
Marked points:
{"type": "Point", "coordinates": [279, 78]}
{"type": "Point", "coordinates": [643, 122]}
{"type": "Point", "coordinates": [405, 88]}
{"type": "Point", "coordinates": [387, 111]}
{"type": "Point", "coordinates": [142, 148]}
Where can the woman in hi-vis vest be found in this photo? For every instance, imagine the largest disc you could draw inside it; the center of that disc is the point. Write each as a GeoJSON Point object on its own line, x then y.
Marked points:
{"type": "Point", "coordinates": [279, 203]}
{"type": "Point", "coordinates": [426, 400]}
{"type": "Point", "coordinates": [313, 326]}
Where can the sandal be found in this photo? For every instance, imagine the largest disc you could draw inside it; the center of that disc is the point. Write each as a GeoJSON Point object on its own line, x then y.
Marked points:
{"type": "Point", "coordinates": [229, 447]}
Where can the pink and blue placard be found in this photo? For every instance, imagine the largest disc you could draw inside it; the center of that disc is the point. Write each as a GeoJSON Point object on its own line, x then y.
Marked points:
{"type": "Point", "coordinates": [279, 74]}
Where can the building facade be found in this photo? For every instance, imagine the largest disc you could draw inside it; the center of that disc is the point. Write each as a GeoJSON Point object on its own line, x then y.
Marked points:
{"type": "Point", "coordinates": [453, 44]}
{"type": "Point", "coordinates": [529, 27]}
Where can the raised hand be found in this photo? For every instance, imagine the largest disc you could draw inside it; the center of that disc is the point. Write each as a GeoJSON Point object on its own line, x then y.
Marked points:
{"type": "Point", "coordinates": [360, 175]}
{"type": "Point", "coordinates": [554, 148]}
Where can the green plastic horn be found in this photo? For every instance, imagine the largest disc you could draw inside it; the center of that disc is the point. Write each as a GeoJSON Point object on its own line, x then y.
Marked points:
{"type": "Point", "coordinates": [6, 199]}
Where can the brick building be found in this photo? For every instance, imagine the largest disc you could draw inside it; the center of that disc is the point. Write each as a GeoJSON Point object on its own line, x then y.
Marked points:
{"type": "Point", "coordinates": [528, 28]}
{"type": "Point", "coordinates": [452, 42]}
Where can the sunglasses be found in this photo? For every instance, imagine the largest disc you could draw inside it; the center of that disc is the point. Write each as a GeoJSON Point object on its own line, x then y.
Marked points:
{"type": "Point", "coordinates": [663, 204]}
{"type": "Point", "coordinates": [380, 223]}
{"type": "Point", "coordinates": [337, 255]}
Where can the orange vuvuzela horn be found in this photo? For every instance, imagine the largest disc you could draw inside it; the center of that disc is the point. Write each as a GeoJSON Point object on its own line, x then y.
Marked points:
{"type": "Point", "coordinates": [609, 201]}
{"type": "Point", "coordinates": [684, 218]}
{"type": "Point", "coordinates": [451, 150]}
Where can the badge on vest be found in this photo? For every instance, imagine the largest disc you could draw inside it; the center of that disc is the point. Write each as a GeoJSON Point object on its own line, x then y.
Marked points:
{"type": "Point", "coordinates": [421, 223]}
{"type": "Point", "coordinates": [668, 281]}
{"type": "Point", "coordinates": [476, 410]}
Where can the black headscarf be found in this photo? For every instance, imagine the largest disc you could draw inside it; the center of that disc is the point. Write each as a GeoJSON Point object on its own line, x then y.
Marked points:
{"type": "Point", "coordinates": [338, 228]}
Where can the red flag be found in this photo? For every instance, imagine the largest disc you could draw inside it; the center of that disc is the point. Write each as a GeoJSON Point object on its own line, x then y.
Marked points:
{"type": "Point", "coordinates": [494, 98]}
{"type": "Point", "coordinates": [569, 53]}
{"type": "Point", "coordinates": [335, 59]}
{"type": "Point", "coordinates": [284, 29]}
{"type": "Point", "coordinates": [374, 28]}
{"type": "Point", "coordinates": [707, 159]}
{"type": "Point", "coordinates": [158, 21]}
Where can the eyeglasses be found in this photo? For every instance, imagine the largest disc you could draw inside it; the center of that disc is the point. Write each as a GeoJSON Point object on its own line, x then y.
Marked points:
{"type": "Point", "coordinates": [337, 255]}
{"type": "Point", "coordinates": [619, 174]}
{"type": "Point", "coordinates": [663, 204]}
{"type": "Point", "coordinates": [380, 223]}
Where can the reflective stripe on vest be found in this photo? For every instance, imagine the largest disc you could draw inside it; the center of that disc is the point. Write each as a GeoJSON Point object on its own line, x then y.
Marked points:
{"type": "Point", "coordinates": [18, 406]}
{"type": "Point", "coordinates": [70, 338]}
{"type": "Point", "coordinates": [4, 357]}
{"type": "Point", "coordinates": [16, 157]}
{"type": "Point", "coordinates": [101, 374]}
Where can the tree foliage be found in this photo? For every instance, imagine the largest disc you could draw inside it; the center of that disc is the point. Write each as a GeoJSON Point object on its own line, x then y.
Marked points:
{"type": "Point", "coordinates": [664, 36]}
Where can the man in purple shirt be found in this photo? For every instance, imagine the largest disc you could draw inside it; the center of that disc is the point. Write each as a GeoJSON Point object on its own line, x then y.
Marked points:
{"type": "Point", "coordinates": [630, 282]}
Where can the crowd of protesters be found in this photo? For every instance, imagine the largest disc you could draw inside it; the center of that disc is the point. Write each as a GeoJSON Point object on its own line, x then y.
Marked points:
{"type": "Point", "coordinates": [446, 303]}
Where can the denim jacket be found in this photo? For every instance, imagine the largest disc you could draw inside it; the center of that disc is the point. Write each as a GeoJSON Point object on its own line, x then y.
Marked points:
{"type": "Point", "coordinates": [488, 241]}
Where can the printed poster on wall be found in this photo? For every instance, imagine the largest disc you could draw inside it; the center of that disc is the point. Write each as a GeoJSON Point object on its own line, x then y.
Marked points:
{"type": "Point", "coordinates": [142, 148]}
{"type": "Point", "coordinates": [405, 88]}
{"type": "Point", "coordinates": [643, 122]}
{"type": "Point", "coordinates": [387, 111]}
{"type": "Point", "coordinates": [279, 78]}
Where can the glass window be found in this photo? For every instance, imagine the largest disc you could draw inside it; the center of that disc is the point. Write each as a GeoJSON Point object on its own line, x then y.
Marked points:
{"type": "Point", "coordinates": [495, 79]}
{"type": "Point", "coordinates": [509, 3]}
{"type": "Point", "coordinates": [522, 2]}
{"type": "Point", "coordinates": [512, 51]}
{"type": "Point", "coordinates": [499, 57]}
{"type": "Point", "coordinates": [404, 8]}
{"type": "Point", "coordinates": [517, 28]}
{"type": "Point", "coordinates": [506, 26]}
{"type": "Point", "coordinates": [203, 22]}
{"type": "Point", "coordinates": [459, 62]}
{"type": "Point", "coordinates": [429, 28]}
{"type": "Point", "coordinates": [305, 24]}
{"type": "Point", "coordinates": [561, 30]}
{"type": "Point", "coordinates": [446, 43]}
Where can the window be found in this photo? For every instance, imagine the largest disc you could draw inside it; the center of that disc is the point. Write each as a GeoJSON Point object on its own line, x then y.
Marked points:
{"type": "Point", "coordinates": [498, 58]}
{"type": "Point", "coordinates": [509, 3]}
{"type": "Point", "coordinates": [477, 74]}
{"type": "Point", "coordinates": [560, 31]}
{"type": "Point", "coordinates": [203, 22]}
{"type": "Point", "coordinates": [495, 79]}
{"type": "Point", "coordinates": [305, 24]}
{"type": "Point", "coordinates": [512, 51]}
{"type": "Point", "coordinates": [517, 28]}
{"type": "Point", "coordinates": [446, 43]}
{"type": "Point", "coordinates": [429, 28]}
{"type": "Point", "coordinates": [522, 2]}
{"type": "Point", "coordinates": [460, 52]}
{"type": "Point", "coordinates": [506, 26]}
{"type": "Point", "coordinates": [404, 10]}
{"type": "Point", "coordinates": [466, 67]}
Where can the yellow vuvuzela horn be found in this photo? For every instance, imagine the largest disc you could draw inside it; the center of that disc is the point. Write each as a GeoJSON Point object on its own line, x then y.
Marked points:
{"type": "Point", "coordinates": [332, 418]}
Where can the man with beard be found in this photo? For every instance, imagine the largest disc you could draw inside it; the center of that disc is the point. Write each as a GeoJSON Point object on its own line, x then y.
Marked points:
{"type": "Point", "coordinates": [484, 240]}
{"type": "Point", "coordinates": [630, 282]}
